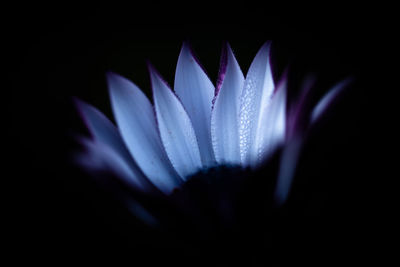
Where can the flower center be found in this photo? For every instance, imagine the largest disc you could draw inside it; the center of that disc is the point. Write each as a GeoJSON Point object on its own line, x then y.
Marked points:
{"type": "Point", "coordinates": [224, 196]}
{"type": "Point", "coordinates": [225, 207]}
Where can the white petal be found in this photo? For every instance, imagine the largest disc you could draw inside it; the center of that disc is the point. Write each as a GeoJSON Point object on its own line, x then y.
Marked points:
{"type": "Point", "coordinates": [272, 127]}
{"type": "Point", "coordinates": [256, 96]}
{"type": "Point", "coordinates": [225, 113]}
{"type": "Point", "coordinates": [176, 129]}
{"type": "Point", "coordinates": [327, 99]}
{"type": "Point", "coordinates": [101, 128]}
{"type": "Point", "coordinates": [196, 92]}
{"type": "Point", "coordinates": [135, 118]}
{"type": "Point", "coordinates": [100, 157]}
{"type": "Point", "coordinates": [106, 134]}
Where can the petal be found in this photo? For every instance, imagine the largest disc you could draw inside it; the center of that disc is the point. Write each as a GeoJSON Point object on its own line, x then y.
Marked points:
{"type": "Point", "coordinates": [225, 113]}
{"type": "Point", "coordinates": [272, 126]}
{"type": "Point", "coordinates": [105, 133]}
{"type": "Point", "coordinates": [101, 128]}
{"type": "Point", "coordinates": [100, 157]}
{"type": "Point", "coordinates": [196, 92]}
{"type": "Point", "coordinates": [328, 99]}
{"type": "Point", "coordinates": [256, 97]}
{"type": "Point", "coordinates": [289, 159]}
{"type": "Point", "coordinates": [135, 118]}
{"type": "Point", "coordinates": [175, 127]}
{"type": "Point", "coordinates": [299, 108]}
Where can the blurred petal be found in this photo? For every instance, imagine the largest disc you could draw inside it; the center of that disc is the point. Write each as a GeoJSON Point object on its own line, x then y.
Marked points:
{"type": "Point", "coordinates": [328, 99]}
{"type": "Point", "coordinates": [196, 92]}
{"type": "Point", "coordinates": [135, 118]}
{"type": "Point", "coordinates": [139, 211]}
{"type": "Point", "coordinates": [104, 132]}
{"type": "Point", "coordinates": [224, 117]}
{"type": "Point", "coordinates": [256, 97]}
{"type": "Point", "coordinates": [299, 109]}
{"type": "Point", "coordinates": [287, 168]}
{"type": "Point", "coordinates": [272, 127]}
{"type": "Point", "coordinates": [100, 157]}
{"type": "Point", "coordinates": [176, 129]}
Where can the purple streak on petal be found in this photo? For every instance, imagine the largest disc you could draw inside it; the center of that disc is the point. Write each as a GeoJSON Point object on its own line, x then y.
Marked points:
{"type": "Point", "coordinates": [151, 69]}
{"type": "Point", "coordinates": [298, 110]}
{"type": "Point", "coordinates": [195, 57]}
{"type": "Point", "coordinates": [225, 113]}
{"type": "Point", "coordinates": [222, 69]}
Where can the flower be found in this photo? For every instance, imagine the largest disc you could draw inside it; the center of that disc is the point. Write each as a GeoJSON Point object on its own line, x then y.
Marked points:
{"type": "Point", "coordinates": [240, 123]}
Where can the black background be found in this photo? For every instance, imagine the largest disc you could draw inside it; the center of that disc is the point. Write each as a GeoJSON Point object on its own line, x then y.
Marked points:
{"type": "Point", "coordinates": [56, 52]}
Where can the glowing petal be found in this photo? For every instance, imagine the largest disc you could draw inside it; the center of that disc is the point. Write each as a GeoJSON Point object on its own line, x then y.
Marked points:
{"type": "Point", "coordinates": [176, 129]}
{"type": "Point", "coordinates": [225, 113]}
{"type": "Point", "coordinates": [256, 97]}
{"type": "Point", "coordinates": [272, 127]}
{"type": "Point", "coordinates": [327, 100]}
{"type": "Point", "coordinates": [135, 118]}
{"type": "Point", "coordinates": [196, 92]}
{"type": "Point", "coordinates": [106, 134]}
{"type": "Point", "coordinates": [100, 157]}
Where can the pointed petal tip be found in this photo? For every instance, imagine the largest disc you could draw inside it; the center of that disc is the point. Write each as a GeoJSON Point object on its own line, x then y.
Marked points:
{"type": "Point", "coordinates": [150, 67]}
{"type": "Point", "coordinates": [267, 44]}
{"type": "Point", "coordinates": [112, 75]}
{"type": "Point", "coordinates": [84, 109]}
{"type": "Point", "coordinates": [78, 105]}
{"type": "Point", "coordinates": [112, 79]}
{"type": "Point", "coordinates": [187, 52]}
{"type": "Point", "coordinates": [116, 79]}
{"type": "Point", "coordinates": [152, 72]}
{"type": "Point", "coordinates": [156, 77]}
{"type": "Point", "coordinates": [223, 64]}
{"type": "Point", "coordinates": [224, 120]}
{"type": "Point", "coordinates": [186, 48]}
{"type": "Point", "coordinates": [347, 81]}
{"type": "Point", "coordinates": [227, 58]}
{"type": "Point", "coordinates": [265, 48]}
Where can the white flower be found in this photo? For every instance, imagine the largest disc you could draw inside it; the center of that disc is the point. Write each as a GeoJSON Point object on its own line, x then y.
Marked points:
{"type": "Point", "coordinates": [240, 122]}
